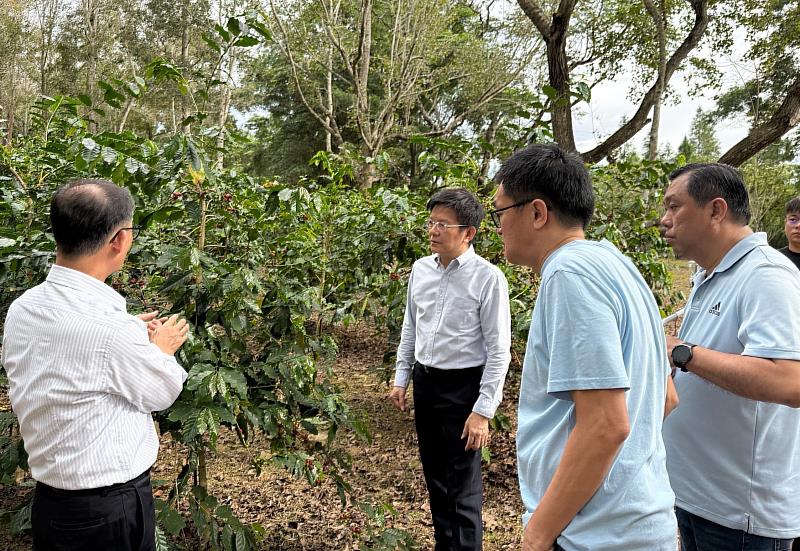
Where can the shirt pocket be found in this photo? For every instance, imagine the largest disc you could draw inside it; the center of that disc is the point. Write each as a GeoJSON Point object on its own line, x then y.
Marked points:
{"type": "Point", "coordinates": [466, 312]}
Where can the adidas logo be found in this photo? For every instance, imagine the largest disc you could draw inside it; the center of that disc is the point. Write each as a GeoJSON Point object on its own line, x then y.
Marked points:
{"type": "Point", "coordinates": [714, 309]}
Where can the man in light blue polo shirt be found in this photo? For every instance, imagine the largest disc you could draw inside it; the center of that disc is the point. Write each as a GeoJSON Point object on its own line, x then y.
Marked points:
{"type": "Point", "coordinates": [733, 446]}
{"type": "Point", "coordinates": [590, 455]}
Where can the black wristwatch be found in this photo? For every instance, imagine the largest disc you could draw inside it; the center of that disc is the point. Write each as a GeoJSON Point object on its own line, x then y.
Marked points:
{"type": "Point", "coordinates": [682, 355]}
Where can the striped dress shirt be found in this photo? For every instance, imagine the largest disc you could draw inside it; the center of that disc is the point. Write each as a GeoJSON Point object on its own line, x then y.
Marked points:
{"type": "Point", "coordinates": [84, 379]}
{"type": "Point", "coordinates": [458, 317]}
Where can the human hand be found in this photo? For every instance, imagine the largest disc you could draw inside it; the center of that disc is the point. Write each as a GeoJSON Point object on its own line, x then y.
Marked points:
{"type": "Point", "coordinates": [531, 542]}
{"type": "Point", "coordinates": [397, 396]}
{"type": "Point", "coordinates": [476, 431]}
{"type": "Point", "coordinates": [170, 334]}
{"type": "Point", "coordinates": [672, 342]}
{"type": "Point", "coordinates": [152, 323]}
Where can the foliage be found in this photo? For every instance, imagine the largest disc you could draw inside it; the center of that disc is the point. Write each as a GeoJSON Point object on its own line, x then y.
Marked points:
{"type": "Point", "coordinates": [629, 200]}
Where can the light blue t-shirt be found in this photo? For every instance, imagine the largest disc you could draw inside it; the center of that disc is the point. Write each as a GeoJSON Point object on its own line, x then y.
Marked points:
{"type": "Point", "coordinates": [732, 460]}
{"type": "Point", "coordinates": [596, 325]}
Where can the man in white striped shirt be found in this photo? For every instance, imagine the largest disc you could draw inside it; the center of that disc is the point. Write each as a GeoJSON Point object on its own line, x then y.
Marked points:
{"type": "Point", "coordinates": [456, 346]}
{"type": "Point", "coordinates": [85, 376]}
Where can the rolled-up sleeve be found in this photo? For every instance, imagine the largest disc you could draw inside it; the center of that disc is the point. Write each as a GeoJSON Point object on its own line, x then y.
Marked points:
{"type": "Point", "coordinates": [140, 372]}
{"type": "Point", "coordinates": [496, 327]}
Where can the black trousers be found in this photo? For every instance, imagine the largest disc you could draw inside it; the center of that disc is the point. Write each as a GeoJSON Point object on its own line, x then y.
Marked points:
{"type": "Point", "coordinates": [119, 517]}
{"type": "Point", "coordinates": [443, 399]}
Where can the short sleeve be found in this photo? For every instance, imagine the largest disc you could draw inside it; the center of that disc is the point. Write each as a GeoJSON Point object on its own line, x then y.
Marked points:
{"type": "Point", "coordinates": [769, 313]}
{"type": "Point", "coordinates": [583, 336]}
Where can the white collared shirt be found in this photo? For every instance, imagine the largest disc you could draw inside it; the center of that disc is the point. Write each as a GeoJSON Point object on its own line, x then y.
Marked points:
{"type": "Point", "coordinates": [83, 381]}
{"type": "Point", "coordinates": [458, 317]}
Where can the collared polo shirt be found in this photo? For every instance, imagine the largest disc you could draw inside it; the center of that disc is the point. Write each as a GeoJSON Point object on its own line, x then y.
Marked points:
{"type": "Point", "coordinates": [732, 460]}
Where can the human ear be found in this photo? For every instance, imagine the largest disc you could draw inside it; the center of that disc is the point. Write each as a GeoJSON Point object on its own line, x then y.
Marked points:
{"type": "Point", "coordinates": [719, 209]}
{"type": "Point", "coordinates": [539, 212]}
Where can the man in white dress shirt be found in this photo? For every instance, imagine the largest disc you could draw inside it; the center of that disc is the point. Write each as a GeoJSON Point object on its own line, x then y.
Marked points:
{"type": "Point", "coordinates": [455, 344]}
{"type": "Point", "coordinates": [84, 377]}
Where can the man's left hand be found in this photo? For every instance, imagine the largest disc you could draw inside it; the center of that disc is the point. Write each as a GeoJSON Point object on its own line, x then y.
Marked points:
{"type": "Point", "coordinates": [672, 342]}
{"type": "Point", "coordinates": [476, 431]}
{"type": "Point", "coordinates": [152, 322]}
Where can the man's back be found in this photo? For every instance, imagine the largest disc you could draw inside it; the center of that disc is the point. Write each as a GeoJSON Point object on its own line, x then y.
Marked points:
{"type": "Point", "coordinates": [83, 379]}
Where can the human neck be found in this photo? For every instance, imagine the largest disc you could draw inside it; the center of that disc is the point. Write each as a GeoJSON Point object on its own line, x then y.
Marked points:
{"type": "Point", "coordinates": [88, 265]}
{"type": "Point", "coordinates": [558, 241]}
{"type": "Point", "coordinates": [724, 245]}
{"type": "Point", "coordinates": [446, 260]}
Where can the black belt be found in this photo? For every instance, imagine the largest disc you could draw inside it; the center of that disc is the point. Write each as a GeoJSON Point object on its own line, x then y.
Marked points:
{"type": "Point", "coordinates": [104, 490]}
{"type": "Point", "coordinates": [464, 372]}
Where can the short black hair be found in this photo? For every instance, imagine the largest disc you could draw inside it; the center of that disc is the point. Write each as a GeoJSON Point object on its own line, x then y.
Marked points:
{"type": "Point", "coordinates": [707, 181]}
{"type": "Point", "coordinates": [463, 202]}
{"type": "Point", "coordinates": [84, 213]}
{"type": "Point", "coordinates": [793, 206]}
{"type": "Point", "coordinates": [558, 177]}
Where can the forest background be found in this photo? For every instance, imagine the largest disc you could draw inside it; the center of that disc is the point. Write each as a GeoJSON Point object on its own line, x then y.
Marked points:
{"type": "Point", "coordinates": [280, 154]}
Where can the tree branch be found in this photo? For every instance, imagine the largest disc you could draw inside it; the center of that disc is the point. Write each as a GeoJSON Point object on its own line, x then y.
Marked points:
{"type": "Point", "coordinates": [785, 118]}
{"type": "Point", "coordinates": [536, 14]}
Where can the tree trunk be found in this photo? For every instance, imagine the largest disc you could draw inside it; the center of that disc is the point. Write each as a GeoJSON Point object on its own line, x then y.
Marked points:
{"type": "Point", "coordinates": [125, 113]}
{"type": "Point", "coordinates": [558, 69]}
{"type": "Point", "coordinates": [489, 136]}
{"type": "Point", "coordinates": [91, 14]}
{"type": "Point", "coordinates": [785, 118]}
{"type": "Point", "coordinates": [659, 16]}
{"type": "Point", "coordinates": [185, 128]}
{"type": "Point", "coordinates": [554, 33]}
{"type": "Point", "coordinates": [223, 111]}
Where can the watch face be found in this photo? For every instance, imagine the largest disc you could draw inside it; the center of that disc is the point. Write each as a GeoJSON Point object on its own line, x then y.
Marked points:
{"type": "Point", "coordinates": [681, 354]}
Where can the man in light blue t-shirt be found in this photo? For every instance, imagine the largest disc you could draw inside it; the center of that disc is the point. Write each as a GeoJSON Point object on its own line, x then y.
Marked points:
{"type": "Point", "coordinates": [595, 381]}
{"type": "Point", "coordinates": [733, 447]}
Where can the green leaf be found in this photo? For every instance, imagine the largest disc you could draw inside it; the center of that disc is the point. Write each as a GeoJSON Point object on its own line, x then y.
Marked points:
{"type": "Point", "coordinates": [161, 540]}
{"type": "Point", "coordinates": [233, 26]}
{"type": "Point", "coordinates": [108, 155]}
{"type": "Point", "coordinates": [247, 41]}
{"type": "Point", "coordinates": [131, 165]}
{"type": "Point", "coordinates": [5, 242]}
{"type": "Point", "coordinates": [223, 33]}
{"type": "Point", "coordinates": [236, 380]}
{"type": "Point", "coordinates": [549, 91]}
{"type": "Point", "coordinates": [90, 149]}
{"type": "Point", "coordinates": [172, 521]}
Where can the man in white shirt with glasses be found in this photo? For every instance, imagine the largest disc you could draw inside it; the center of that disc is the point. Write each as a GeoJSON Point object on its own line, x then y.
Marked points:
{"type": "Point", "coordinates": [455, 346]}
{"type": "Point", "coordinates": [84, 377]}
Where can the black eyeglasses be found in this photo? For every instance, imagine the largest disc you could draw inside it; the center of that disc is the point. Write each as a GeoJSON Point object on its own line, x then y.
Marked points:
{"type": "Point", "coordinates": [135, 230]}
{"type": "Point", "coordinates": [495, 214]}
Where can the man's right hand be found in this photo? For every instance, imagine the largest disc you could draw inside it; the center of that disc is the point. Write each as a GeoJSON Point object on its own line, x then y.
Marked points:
{"type": "Point", "coordinates": [170, 335]}
{"type": "Point", "coordinates": [398, 397]}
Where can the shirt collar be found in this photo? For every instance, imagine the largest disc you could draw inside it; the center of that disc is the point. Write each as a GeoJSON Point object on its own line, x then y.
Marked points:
{"type": "Point", "coordinates": [736, 252]}
{"type": "Point", "coordinates": [460, 260]}
{"type": "Point", "coordinates": [86, 284]}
